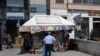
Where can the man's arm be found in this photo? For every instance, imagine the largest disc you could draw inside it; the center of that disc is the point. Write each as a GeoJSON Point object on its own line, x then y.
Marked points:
{"type": "Point", "coordinates": [44, 40]}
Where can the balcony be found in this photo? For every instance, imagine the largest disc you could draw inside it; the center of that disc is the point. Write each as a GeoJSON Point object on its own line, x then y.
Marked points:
{"type": "Point", "coordinates": [83, 6]}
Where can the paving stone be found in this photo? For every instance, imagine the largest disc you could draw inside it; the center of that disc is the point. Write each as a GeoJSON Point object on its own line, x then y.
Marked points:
{"type": "Point", "coordinates": [14, 51]}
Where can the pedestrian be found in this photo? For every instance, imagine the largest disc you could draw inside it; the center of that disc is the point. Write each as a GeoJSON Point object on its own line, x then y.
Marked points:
{"type": "Point", "coordinates": [9, 41]}
{"type": "Point", "coordinates": [27, 44]}
{"type": "Point", "coordinates": [48, 41]}
{"type": "Point", "coordinates": [66, 40]}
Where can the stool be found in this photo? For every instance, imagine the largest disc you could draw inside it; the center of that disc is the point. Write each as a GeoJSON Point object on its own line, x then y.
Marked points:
{"type": "Point", "coordinates": [38, 51]}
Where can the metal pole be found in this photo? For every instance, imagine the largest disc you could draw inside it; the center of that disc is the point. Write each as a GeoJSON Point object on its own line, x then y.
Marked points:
{"type": "Point", "coordinates": [0, 38]}
{"type": "Point", "coordinates": [0, 43]}
{"type": "Point", "coordinates": [2, 21]}
{"type": "Point", "coordinates": [26, 10]}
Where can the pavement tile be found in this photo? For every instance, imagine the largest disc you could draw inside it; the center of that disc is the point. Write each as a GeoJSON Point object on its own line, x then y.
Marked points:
{"type": "Point", "coordinates": [14, 51]}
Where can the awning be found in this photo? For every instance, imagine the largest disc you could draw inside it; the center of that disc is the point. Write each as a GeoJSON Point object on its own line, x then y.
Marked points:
{"type": "Point", "coordinates": [48, 20]}
{"type": "Point", "coordinates": [48, 23]}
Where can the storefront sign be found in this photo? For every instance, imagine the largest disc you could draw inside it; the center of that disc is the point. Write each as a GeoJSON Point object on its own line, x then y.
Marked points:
{"type": "Point", "coordinates": [90, 13]}
{"type": "Point", "coordinates": [94, 13]}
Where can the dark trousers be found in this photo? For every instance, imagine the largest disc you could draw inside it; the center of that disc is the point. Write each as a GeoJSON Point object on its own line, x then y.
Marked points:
{"type": "Point", "coordinates": [9, 44]}
{"type": "Point", "coordinates": [48, 48]}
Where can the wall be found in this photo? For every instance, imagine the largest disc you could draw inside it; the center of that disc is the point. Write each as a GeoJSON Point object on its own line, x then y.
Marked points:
{"type": "Point", "coordinates": [88, 46]}
{"type": "Point", "coordinates": [61, 12]}
{"type": "Point", "coordinates": [54, 5]}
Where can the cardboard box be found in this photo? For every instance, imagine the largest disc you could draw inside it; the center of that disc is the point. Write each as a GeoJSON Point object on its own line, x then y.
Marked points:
{"type": "Point", "coordinates": [61, 49]}
{"type": "Point", "coordinates": [38, 51]}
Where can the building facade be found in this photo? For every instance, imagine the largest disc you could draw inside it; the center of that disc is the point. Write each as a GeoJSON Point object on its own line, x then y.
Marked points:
{"type": "Point", "coordinates": [15, 12]}
{"type": "Point", "coordinates": [87, 10]}
{"type": "Point", "coordinates": [37, 7]}
{"type": "Point", "coordinates": [18, 11]}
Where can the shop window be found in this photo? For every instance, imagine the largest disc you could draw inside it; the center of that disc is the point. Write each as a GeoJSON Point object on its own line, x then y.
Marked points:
{"type": "Point", "coordinates": [60, 1]}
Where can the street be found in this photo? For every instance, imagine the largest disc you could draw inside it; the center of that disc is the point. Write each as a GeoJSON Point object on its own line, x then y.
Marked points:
{"type": "Point", "coordinates": [15, 50]}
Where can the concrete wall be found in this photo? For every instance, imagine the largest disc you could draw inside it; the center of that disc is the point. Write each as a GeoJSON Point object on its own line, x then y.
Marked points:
{"type": "Point", "coordinates": [88, 46]}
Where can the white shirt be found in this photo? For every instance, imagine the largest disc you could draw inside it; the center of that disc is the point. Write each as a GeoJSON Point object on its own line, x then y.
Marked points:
{"type": "Point", "coordinates": [49, 39]}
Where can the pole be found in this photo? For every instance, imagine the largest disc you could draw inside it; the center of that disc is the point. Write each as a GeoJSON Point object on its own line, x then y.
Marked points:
{"type": "Point", "coordinates": [2, 21]}
{"type": "Point", "coordinates": [0, 43]}
{"type": "Point", "coordinates": [0, 38]}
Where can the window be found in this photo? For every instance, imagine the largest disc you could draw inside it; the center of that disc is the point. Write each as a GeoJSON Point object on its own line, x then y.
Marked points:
{"type": "Point", "coordinates": [96, 2]}
{"type": "Point", "coordinates": [14, 9]}
{"type": "Point", "coordinates": [77, 1]}
{"type": "Point", "coordinates": [87, 1]}
{"type": "Point", "coordinates": [59, 1]}
{"type": "Point", "coordinates": [34, 9]}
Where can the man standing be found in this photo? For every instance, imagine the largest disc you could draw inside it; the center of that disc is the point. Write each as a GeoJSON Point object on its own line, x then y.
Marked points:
{"type": "Point", "coordinates": [48, 41]}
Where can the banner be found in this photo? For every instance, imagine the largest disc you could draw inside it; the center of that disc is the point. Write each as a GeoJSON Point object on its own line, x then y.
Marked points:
{"type": "Point", "coordinates": [24, 29]}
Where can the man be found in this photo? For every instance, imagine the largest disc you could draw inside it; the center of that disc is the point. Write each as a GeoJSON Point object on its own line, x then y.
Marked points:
{"type": "Point", "coordinates": [9, 40]}
{"type": "Point", "coordinates": [66, 40]}
{"type": "Point", "coordinates": [48, 41]}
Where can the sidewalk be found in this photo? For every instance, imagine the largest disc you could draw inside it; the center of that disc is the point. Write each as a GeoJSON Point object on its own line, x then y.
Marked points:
{"type": "Point", "coordinates": [14, 51]}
